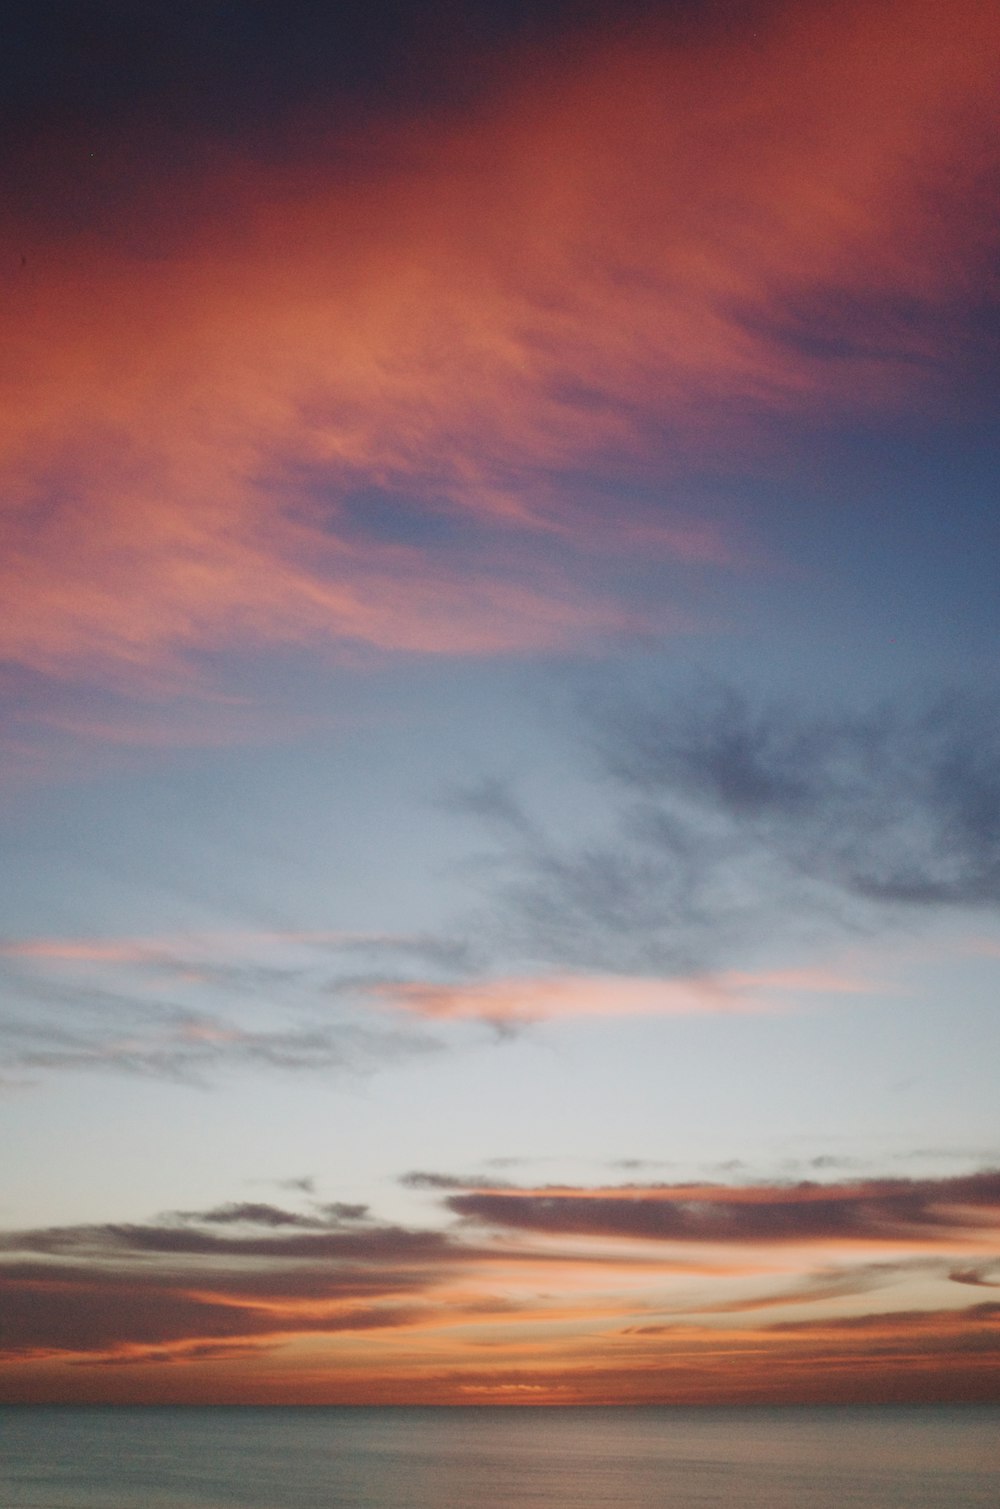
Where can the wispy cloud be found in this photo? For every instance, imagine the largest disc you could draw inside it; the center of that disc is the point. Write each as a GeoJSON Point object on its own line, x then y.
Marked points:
{"type": "Point", "coordinates": [719, 818]}
{"type": "Point", "coordinates": [506, 1003]}
{"type": "Point", "coordinates": [196, 1006]}
{"type": "Point", "coordinates": [126, 1037]}
{"type": "Point", "coordinates": [350, 401]}
{"type": "Point", "coordinates": [898, 804]}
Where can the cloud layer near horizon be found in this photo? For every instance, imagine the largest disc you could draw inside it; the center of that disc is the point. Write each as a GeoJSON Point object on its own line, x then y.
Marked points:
{"type": "Point", "coordinates": [347, 397]}
{"type": "Point", "coordinates": [674, 1275]}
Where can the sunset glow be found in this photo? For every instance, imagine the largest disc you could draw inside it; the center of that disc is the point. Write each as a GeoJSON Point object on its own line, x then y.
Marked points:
{"type": "Point", "coordinates": [501, 707]}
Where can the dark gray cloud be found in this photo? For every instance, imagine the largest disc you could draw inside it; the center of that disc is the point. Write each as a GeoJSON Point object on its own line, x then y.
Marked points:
{"type": "Point", "coordinates": [980, 1275]}
{"type": "Point", "coordinates": [876, 1210]}
{"type": "Point", "coordinates": [85, 1318]}
{"type": "Point", "coordinates": [717, 816]}
{"type": "Point", "coordinates": [423, 1179]}
{"type": "Point", "coordinates": [256, 1213]}
{"type": "Point", "coordinates": [616, 901]}
{"type": "Point", "coordinates": [899, 803]}
{"type": "Point", "coordinates": [379, 1243]}
{"type": "Point", "coordinates": [211, 1276]}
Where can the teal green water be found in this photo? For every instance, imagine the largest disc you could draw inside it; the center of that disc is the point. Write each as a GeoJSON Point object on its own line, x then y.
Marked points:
{"type": "Point", "coordinates": [838, 1458]}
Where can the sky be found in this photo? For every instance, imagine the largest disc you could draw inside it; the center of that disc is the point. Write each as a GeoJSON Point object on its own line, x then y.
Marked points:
{"type": "Point", "coordinates": [500, 791]}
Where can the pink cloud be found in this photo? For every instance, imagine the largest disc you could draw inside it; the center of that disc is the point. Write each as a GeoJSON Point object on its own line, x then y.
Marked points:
{"type": "Point", "coordinates": [556, 997]}
{"type": "Point", "coordinates": [596, 270]}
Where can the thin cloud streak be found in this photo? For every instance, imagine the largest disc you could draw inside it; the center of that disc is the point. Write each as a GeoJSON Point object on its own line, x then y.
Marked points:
{"type": "Point", "coordinates": [506, 1003]}
{"type": "Point", "coordinates": [959, 1210]}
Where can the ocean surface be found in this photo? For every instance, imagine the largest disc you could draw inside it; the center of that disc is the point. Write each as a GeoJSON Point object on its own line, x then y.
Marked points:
{"type": "Point", "coordinates": [303, 1458]}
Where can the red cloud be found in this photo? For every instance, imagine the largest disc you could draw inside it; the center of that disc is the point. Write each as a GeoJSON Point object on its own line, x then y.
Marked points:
{"type": "Point", "coordinates": [607, 267]}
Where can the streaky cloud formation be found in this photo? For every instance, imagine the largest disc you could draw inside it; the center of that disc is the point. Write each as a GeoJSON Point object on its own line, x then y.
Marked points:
{"type": "Point", "coordinates": [626, 257]}
{"type": "Point", "coordinates": [898, 1211]}
{"type": "Point", "coordinates": [181, 1291]}
{"type": "Point", "coordinates": [125, 1037]}
{"type": "Point", "coordinates": [193, 1008]}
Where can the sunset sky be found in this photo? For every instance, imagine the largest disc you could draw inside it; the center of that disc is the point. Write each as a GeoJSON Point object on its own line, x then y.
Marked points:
{"type": "Point", "coordinates": [500, 795]}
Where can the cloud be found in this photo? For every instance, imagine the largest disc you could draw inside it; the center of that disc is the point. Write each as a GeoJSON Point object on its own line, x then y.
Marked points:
{"type": "Point", "coordinates": [511, 1002]}
{"type": "Point", "coordinates": [717, 818]}
{"type": "Point", "coordinates": [108, 1288]}
{"type": "Point", "coordinates": [125, 1037]}
{"type": "Point", "coordinates": [151, 1006]}
{"type": "Point", "coordinates": [255, 1213]}
{"type": "Point", "coordinates": [201, 1351]}
{"type": "Point", "coordinates": [898, 804]}
{"type": "Point", "coordinates": [959, 1211]}
{"type": "Point", "coordinates": [898, 1320]}
{"type": "Point", "coordinates": [845, 1281]}
{"type": "Point", "coordinates": [385, 1243]}
{"type": "Point", "coordinates": [376, 388]}
{"type": "Point", "coordinates": [69, 1318]}
{"type": "Point", "coordinates": [392, 1312]}
{"type": "Point", "coordinates": [425, 1179]}
{"type": "Point", "coordinates": [984, 1275]}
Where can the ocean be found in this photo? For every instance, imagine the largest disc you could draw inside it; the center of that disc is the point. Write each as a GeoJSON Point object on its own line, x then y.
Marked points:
{"type": "Point", "coordinates": [883, 1457]}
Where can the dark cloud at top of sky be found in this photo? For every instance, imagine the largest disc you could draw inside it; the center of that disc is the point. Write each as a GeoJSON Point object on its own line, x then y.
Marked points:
{"type": "Point", "coordinates": [223, 69]}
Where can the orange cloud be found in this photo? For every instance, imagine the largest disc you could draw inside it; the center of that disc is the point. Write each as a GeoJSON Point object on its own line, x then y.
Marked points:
{"type": "Point", "coordinates": [259, 1303]}
{"type": "Point", "coordinates": [606, 268]}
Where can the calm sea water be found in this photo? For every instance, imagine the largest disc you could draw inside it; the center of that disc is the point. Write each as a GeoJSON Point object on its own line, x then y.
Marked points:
{"type": "Point", "coordinates": [879, 1458]}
